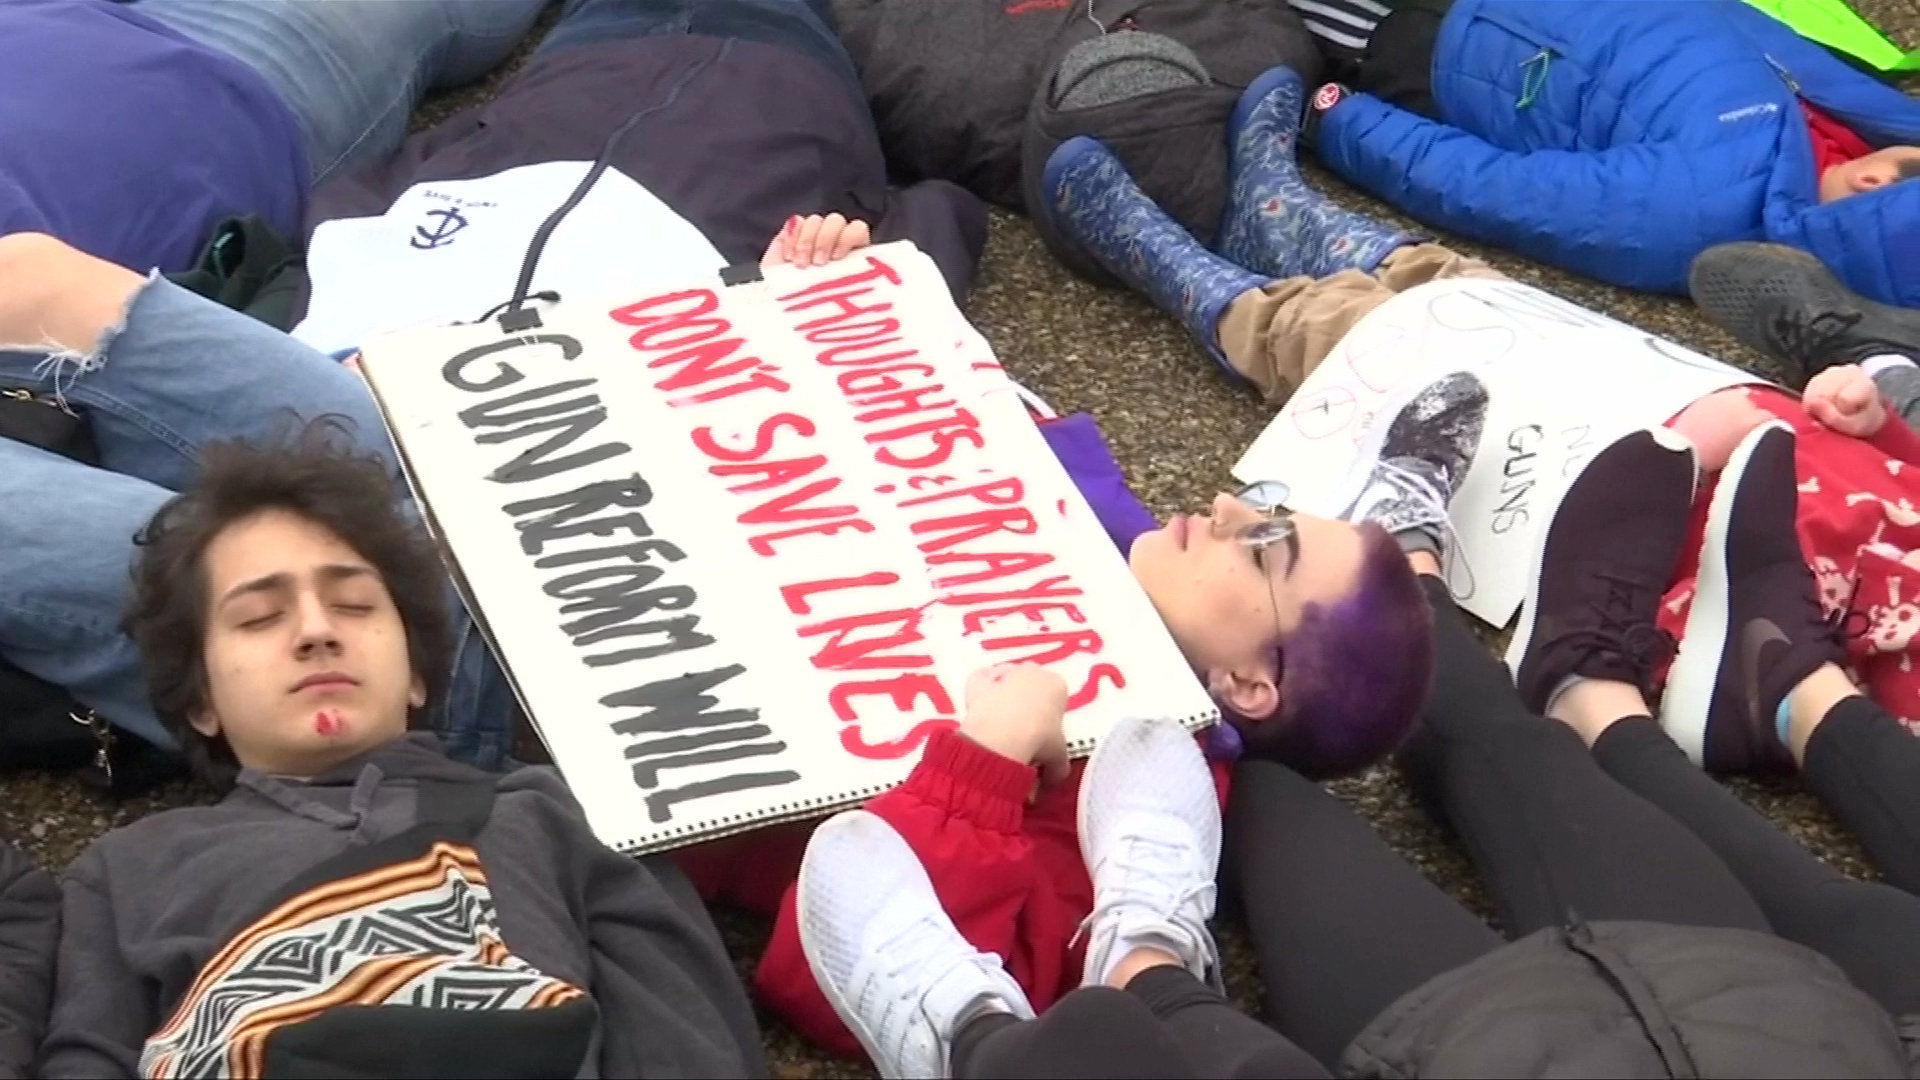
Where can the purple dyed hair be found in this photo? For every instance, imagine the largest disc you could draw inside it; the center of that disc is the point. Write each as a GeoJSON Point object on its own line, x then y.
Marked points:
{"type": "Point", "coordinates": [1354, 674]}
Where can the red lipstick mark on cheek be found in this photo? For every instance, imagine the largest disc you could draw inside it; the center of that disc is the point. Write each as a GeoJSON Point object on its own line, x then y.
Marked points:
{"type": "Point", "coordinates": [326, 724]}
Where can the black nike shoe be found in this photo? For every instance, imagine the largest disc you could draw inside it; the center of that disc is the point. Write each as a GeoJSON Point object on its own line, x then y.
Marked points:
{"type": "Point", "coordinates": [1785, 303]}
{"type": "Point", "coordinates": [1603, 562]}
{"type": "Point", "coordinates": [1756, 627]}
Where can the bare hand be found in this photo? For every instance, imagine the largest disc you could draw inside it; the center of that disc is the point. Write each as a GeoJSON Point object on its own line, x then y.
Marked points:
{"type": "Point", "coordinates": [1019, 712]}
{"type": "Point", "coordinates": [815, 240]}
{"type": "Point", "coordinates": [1844, 399]}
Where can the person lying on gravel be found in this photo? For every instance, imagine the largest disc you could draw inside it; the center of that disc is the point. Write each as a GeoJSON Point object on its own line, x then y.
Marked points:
{"type": "Point", "coordinates": [676, 136]}
{"type": "Point", "coordinates": [227, 113]}
{"type": "Point", "coordinates": [1785, 477]}
{"type": "Point", "coordinates": [1631, 948]}
{"type": "Point", "coordinates": [1286, 619]}
{"type": "Point", "coordinates": [1855, 468]}
{"type": "Point", "coordinates": [980, 92]}
{"type": "Point", "coordinates": [1652, 925]}
{"type": "Point", "coordinates": [1311, 633]}
{"type": "Point", "coordinates": [356, 903]}
{"type": "Point", "coordinates": [29, 936]}
{"type": "Point", "coordinates": [156, 371]}
{"type": "Point", "coordinates": [223, 110]}
{"type": "Point", "coordinates": [1288, 272]}
{"type": "Point", "coordinates": [1619, 141]}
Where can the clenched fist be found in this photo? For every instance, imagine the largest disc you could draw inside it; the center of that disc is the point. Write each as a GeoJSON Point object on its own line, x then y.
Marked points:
{"type": "Point", "coordinates": [1019, 711]}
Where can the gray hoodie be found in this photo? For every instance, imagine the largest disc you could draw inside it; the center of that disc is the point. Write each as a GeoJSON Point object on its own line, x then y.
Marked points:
{"type": "Point", "coordinates": [29, 925]}
{"type": "Point", "coordinates": [148, 905]}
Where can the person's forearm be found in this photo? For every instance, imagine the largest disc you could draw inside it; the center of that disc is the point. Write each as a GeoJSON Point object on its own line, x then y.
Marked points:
{"type": "Point", "coordinates": [53, 296]}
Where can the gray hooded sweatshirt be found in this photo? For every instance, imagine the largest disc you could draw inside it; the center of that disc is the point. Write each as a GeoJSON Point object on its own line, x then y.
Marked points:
{"type": "Point", "coordinates": [624, 944]}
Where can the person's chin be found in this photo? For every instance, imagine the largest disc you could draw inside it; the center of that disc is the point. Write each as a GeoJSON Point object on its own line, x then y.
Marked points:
{"type": "Point", "coordinates": [1144, 547]}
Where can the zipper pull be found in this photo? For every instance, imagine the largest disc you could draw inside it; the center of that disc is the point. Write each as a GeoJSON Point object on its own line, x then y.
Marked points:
{"type": "Point", "coordinates": [1786, 76]}
{"type": "Point", "coordinates": [103, 740]}
{"type": "Point", "coordinates": [1534, 78]}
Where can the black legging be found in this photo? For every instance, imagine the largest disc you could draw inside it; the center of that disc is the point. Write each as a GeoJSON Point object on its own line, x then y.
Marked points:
{"type": "Point", "coordinates": [1343, 926]}
{"type": "Point", "coordinates": [1866, 768]}
{"type": "Point", "coordinates": [1165, 1024]}
{"type": "Point", "coordinates": [1871, 930]}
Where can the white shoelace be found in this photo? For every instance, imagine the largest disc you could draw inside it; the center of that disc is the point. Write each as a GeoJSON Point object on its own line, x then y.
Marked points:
{"type": "Point", "coordinates": [899, 968]}
{"type": "Point", "coordinates": [1425, 495]}
{"type": "Point", "coordinates": [1159, 884]}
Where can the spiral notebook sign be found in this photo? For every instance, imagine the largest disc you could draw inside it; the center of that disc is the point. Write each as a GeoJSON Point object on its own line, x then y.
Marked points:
{"type": "Point", "coordinates": [740, 546]}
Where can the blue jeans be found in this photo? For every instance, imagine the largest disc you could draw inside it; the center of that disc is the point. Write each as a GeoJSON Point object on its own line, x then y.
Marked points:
{"type": "Point", "coordinates": [184, 371]}
{"type": "Point", "coordinates": [805, 25]}
{"type": "Point", "coordinates": [353, 70]}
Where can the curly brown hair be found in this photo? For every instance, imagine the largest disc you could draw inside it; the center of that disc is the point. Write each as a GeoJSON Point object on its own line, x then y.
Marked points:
{"type": "Point", "coordinates": [319, 476]}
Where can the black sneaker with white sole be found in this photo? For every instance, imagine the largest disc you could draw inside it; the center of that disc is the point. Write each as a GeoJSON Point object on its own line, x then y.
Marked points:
{"type": "Point", "coordinates": [1756, 627]}
{"type": "Point", "coordinates": [1603, 561]}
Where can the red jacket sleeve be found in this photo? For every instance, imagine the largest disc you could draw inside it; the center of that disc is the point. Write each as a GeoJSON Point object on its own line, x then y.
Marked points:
{"type": "Point", "coordinates": [962, 810]}
{"type": "Point", "coordinates": [1896, 440]}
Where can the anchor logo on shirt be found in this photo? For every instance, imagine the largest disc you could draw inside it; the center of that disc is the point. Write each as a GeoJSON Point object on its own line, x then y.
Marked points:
{"type": "Point", "coordinates": [440, 234]}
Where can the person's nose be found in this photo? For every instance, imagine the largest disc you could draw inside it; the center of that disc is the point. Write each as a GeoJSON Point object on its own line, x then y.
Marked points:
{"type": "Point", "coordinates": [1872, 179]}
{"type": "Point", "coordinates": [317, 632]}
{"type": "Point", "coordinates": [1229, 515]}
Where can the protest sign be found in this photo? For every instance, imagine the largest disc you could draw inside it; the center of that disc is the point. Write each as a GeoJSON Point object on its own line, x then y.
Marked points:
{"type": "Point", "coordinates": [1563, 383]}
{"type": "Point", "coordinates": [739, 547]}
{"type": "Point", "coordinates": [1837, 26]}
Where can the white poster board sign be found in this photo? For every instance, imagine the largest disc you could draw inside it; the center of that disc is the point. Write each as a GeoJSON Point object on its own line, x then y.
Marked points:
{"type": "Point", "coordinates": [740, 547]}
{"type": "Point", "coordinates": [1564, 382]}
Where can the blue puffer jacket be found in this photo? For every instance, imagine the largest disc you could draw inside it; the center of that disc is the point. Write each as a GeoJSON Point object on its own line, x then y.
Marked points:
{"type": "Point", "coordinates": [1620, 138]}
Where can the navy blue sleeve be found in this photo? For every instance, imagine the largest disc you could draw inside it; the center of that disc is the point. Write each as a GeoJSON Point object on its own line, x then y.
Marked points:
{"type": "Point", "coordinates": [944, 220]}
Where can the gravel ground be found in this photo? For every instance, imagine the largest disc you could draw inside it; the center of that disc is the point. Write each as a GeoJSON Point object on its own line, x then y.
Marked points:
{"type": "Point", "coordinates": [1177, 427]}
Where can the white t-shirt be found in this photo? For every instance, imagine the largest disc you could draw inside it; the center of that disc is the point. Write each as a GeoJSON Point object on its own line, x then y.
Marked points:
{"type": "Point", "coordinates": [449, 250]}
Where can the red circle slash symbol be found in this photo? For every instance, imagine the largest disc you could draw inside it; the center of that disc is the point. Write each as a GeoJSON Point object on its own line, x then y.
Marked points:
{"type": "Point", "coordinates": [1325, 412]}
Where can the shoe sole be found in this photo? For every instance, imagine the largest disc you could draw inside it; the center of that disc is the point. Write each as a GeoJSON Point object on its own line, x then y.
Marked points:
{"type": "Point", "coordinates": [1688, 700]}
{"type": "Point", "coordinates": [1537, 555]}
{"type": "Point", "coordinates": [828, 988]}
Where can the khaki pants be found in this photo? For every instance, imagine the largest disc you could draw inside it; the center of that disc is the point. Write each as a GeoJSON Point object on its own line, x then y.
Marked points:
{"type": "Point", "coordinates": [1278, 334]}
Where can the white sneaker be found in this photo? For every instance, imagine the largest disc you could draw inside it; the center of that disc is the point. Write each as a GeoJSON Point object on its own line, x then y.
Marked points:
{"type": "Point", "coordinates": [886, 955]}
{"type": "Point", "coordinates": [1150, 832]}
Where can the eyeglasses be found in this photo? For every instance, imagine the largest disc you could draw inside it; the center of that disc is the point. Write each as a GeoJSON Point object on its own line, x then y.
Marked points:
{"type": "Point", "coordinates": [1268, 498]}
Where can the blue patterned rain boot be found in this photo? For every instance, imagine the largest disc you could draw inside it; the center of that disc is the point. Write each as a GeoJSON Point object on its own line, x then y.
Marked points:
{"type": "Point", "coordinates": [1092, 199]}
{"type": "Point", "coordinates": [1275, 222]}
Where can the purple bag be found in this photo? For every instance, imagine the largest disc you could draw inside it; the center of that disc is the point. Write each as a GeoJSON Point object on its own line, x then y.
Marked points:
{"type": "Point", "coordinates": [1082, 450]}
{"type": "Point", "coordinates": [1076, 440]}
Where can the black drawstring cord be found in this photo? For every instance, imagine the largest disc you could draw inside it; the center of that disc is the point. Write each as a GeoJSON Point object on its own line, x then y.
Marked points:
{"type": "Point", "coordinates": [518, 317]}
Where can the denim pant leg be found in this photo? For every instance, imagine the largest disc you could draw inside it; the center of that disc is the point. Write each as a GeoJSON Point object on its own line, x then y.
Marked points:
{"type": "Point", "coordinates": [184, 371]}
{"type": "Point", "coordinates": [805, 25]}
{"type": "Point", "coordinates": [353, 70]}
{"type": "Point", "coordinates": [67, 538]}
